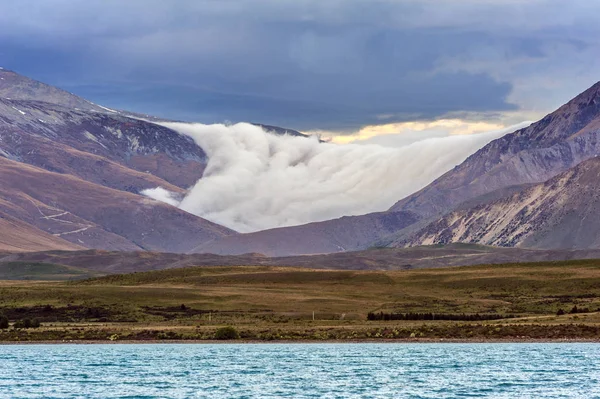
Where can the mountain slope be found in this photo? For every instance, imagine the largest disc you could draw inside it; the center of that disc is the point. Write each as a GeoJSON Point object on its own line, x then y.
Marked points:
{"type": "Point", "coordinates": [348, 233]}
{"type": "Point", "coordinates": [560, 213]}
{"type": "Point", "coordinates": [18, 236]}
{"type": "Point", "coordinates": [534, 154]}
{"type": "Point", "coordinates": [135, 144]}
{"type": "Point", "coordinates": [18, 87]}
{"type": "Point", "coordinates": [111, 262]}
{"type": "Point", "coordinates": [94, 216]}
{"type": "Point", "coordinates": [71, 171]}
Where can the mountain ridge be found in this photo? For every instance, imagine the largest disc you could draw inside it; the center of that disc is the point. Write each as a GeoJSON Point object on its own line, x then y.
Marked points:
{"type": "Point", "coordinates": [559, 213]}
{"type": "Point", "coordinates": [533, 154]}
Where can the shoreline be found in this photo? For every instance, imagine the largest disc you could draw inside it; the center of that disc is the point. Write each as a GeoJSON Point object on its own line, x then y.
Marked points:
{"type": "Point", "coordinates": [316, 342]}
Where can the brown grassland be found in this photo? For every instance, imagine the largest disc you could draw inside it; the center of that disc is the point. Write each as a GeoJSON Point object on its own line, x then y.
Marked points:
{"type": "Point", "coordinates": [277, 303]}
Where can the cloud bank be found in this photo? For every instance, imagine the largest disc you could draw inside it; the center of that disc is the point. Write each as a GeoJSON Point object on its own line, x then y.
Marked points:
{"type": "Point", "coordinates": [256, 180]}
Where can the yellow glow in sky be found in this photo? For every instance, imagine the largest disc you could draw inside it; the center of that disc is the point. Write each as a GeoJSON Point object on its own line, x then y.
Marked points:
{"type": "Point", "coordinates": [451, 126]}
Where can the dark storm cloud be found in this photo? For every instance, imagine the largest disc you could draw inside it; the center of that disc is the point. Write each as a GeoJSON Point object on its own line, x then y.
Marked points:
{"type": "Point", "coordinates": [307, 64]}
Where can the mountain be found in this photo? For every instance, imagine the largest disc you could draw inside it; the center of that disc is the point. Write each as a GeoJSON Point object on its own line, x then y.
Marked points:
{"type": "Point", "coordinates": [534, 154]}
{"type": "Point", "coordinates": [71, 171]}
{"type": "Point", "coordinates": [559, 213]}
{"type": "Point", "coordinates": [280, 130]}
{"type": "Point", "coordinates": [54, 136]}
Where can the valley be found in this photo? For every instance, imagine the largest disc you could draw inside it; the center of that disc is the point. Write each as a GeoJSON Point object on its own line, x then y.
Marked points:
{"type": "Point", "coordinates": [264, 303]}
{"type": "Point", "coordinates": [502, 247]}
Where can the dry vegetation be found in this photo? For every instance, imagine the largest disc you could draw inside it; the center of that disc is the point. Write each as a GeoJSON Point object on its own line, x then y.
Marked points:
{"type": "Point", "coordinates": [266, 303]}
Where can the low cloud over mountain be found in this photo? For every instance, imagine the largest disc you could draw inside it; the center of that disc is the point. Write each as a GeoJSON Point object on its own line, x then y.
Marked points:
{"type": "Point", "coordinates": [255, 180]}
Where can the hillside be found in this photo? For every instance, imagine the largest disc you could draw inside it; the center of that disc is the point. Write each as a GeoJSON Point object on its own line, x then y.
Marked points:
{"type": "Point", "coordinates": [348, 233]}
{"type": "Point", "coordinates": [534, 154]}
{"type": "Point", "coordinates": [94, 216]}
{"type": "Point", "coordinates": [560, 213]}
{"type": "Point", "coordinates": [111, 262]}
{"type": "Point", "coordinates": [18, 236]}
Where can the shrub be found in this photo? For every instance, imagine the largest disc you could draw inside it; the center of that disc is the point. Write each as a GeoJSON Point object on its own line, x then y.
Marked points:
{"type": "Point", "coordinates": [27, 323]}
{"type": "Point", "coordinates": [228, 332]}
{"type": "Point", "coordinates": [3, 322]}
{"type": "Point", "coordinates": [19, 324]}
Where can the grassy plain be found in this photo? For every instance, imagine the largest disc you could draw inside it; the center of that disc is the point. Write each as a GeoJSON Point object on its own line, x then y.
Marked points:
{"type": "Point", "coordinates": [266, 303]}
{"type": "Point", "coordinates": [43, 271]}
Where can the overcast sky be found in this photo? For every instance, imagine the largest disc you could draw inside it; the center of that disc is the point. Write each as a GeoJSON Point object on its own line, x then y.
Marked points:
{"type": "Point", "coordinates": [328, 65]}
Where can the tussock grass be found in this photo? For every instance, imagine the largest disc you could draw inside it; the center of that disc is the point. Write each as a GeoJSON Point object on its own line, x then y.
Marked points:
{"type": "Point", "coordinates": [260, 298]}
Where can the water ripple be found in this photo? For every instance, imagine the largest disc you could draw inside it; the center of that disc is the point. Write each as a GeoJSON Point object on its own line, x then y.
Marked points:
{"type": "Point", "coordinates": [240, 371]}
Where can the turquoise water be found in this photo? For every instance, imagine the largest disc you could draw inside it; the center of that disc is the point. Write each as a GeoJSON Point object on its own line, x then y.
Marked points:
{"type": "Point", "coordinates": [301, 371]}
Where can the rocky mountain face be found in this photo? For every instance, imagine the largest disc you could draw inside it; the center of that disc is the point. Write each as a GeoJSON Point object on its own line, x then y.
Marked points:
{"type": "Point", "coordinates": [94, 216]}
{"type": "Point", "coordinates": [18, 236]}
{"type": "Point", "coordinates": [559, 213]}
{"type": "Point", "coordinates": [71, 170]}
{"type": "Point", "coordinates": [534, 154]}
{"type": "Point", "coordinates": [32, 132]}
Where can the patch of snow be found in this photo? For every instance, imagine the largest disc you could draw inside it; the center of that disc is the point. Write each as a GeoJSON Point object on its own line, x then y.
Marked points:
{"type": "Point", "coordinates": [115, 132]}
{"type": "Point", "coordinates": [72, 232]}
{"type": "Point", "coordinates": [54, 216]}
{"type": "Point", "coordinates": [108, 109]}
{"type": "Point", "coordinates": [134, 143]}
{"type": "Point", "coordinates": [90, 136]}
{"type": "Point", "coordinates": [16, 109]}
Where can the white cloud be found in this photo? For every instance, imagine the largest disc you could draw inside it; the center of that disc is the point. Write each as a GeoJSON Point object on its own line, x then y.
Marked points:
{"type": "Point", "coordinates": [256, 180]}
{"type": "Point", "coordinates": [160, 194]}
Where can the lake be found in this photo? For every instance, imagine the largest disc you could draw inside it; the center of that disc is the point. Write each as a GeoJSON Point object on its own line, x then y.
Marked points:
{"type": "Point", "coordinates": [301, 371]}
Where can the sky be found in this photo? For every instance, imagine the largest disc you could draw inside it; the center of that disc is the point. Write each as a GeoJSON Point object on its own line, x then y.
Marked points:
{"type": "Point", "coordinates": [353, 70]}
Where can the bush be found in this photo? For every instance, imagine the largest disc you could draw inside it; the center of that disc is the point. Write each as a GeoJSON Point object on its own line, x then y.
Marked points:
{"type": "Point", "coordinates": [19, 324]}
{"type": "Point", "coordinates": [227, 333]}
{"type": "Point", "coordinates": [437, 316]}
{"type": "Point", "coordinates": [27, 323]}
{"type": "Point", "coordinates": [3, 322]}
